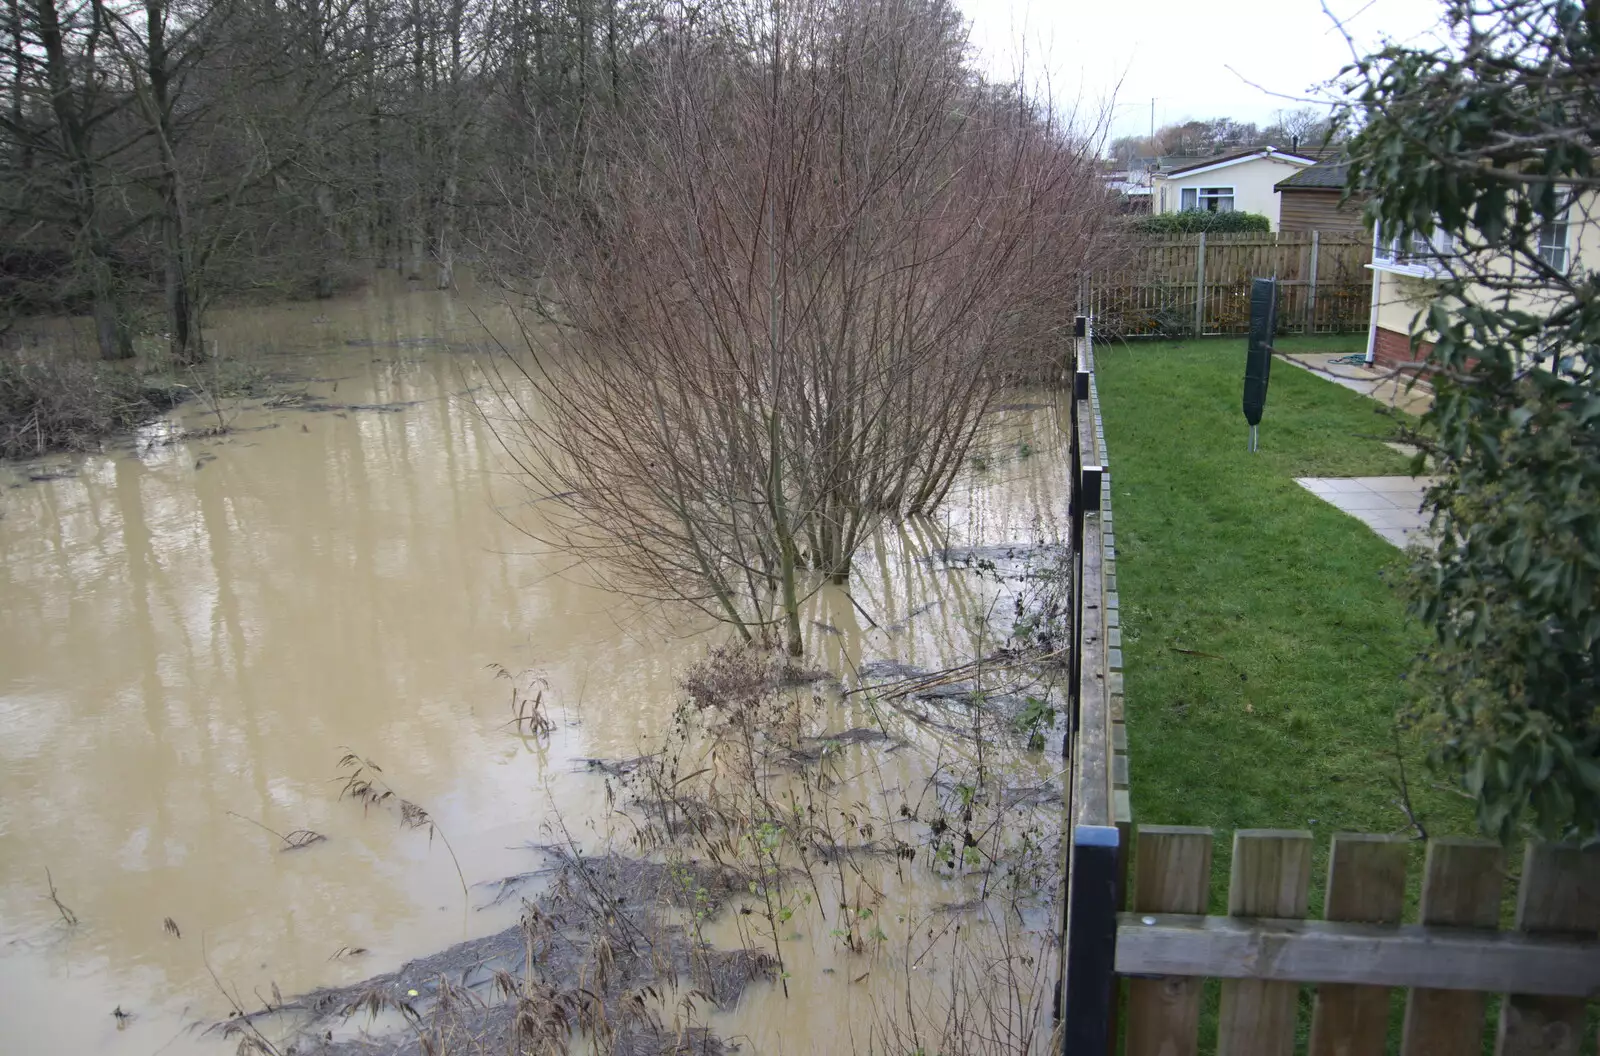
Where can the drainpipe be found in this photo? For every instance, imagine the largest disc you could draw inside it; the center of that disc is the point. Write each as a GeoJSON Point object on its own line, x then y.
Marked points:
{"type": "Point", "coordinates": [1372, 319]}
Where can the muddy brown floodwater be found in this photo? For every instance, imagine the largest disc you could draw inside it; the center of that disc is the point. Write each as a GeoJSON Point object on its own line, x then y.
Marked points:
{"type": "Point", "coordinates": [194, 631]}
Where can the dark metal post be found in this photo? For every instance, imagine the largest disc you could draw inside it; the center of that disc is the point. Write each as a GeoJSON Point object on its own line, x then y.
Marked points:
{"type": "Point", "coordinates": [1091, 941]}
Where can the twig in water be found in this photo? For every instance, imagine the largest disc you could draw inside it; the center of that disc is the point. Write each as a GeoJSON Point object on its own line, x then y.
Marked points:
{"type": "Point", "coordinates": [296, 840]}
{"type": "Point", "coordinates": [66, 914]}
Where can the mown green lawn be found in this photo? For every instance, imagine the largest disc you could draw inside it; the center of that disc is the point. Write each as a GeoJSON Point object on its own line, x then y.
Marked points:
{"type": "Point", "coordinates": [1265, 646]}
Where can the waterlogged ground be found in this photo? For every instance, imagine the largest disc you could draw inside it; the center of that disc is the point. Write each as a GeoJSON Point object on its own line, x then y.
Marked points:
{"type": "Point", "coordinates": [194, 631]}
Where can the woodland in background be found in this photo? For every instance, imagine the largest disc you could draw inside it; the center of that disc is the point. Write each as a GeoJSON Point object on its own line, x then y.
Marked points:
{"type": "Point", "coordinates": [1305, 127]}
{"type": "Point", "coordinates": [160, 154]}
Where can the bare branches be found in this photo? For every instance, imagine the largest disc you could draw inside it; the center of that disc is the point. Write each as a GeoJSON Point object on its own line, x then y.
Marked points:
{"type": "Point", "coordinates": [67, 915]}
{"type": "Point", "coordinates": [819, 254]}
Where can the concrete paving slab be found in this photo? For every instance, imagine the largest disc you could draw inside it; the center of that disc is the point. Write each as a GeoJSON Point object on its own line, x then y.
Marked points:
{"type": "Point", "coordinates": [1389, 518]}
{"type": "Point", "coordinates": [1364, 500]}
{"type": "Point", "coordinates": [1395, 485]}
{"type": "Point", "coordinates": [1390, 506]}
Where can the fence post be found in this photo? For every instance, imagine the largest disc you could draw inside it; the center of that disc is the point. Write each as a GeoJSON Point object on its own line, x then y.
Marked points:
{"type": "Point", "coordinates": [1091, 952]}
{"type": "Point", "coordinates": [1174, 877]}
{"type": "Point", "coordinates": [1311, 288]}
{"type": "Point", "coordinates": [1076, 510]}
{"type": "Point", "coordinates": [1200, 288]}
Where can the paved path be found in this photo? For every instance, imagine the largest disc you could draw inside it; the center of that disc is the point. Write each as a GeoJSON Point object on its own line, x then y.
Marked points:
{"type": "Point", "coordinates": [1385, 386]}
{"type": "Point", "coordinates": [1388, 505]}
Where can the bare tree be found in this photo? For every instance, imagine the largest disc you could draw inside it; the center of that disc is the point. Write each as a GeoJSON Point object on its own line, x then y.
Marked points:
{"type": "Point", "coordinates": [60, 105]}
{"type": "Point", "coordinates": [824, 248]}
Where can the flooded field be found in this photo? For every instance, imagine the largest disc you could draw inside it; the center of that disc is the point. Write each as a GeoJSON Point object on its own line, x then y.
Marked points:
{"type": "Point", "coordinates": [196, 630]}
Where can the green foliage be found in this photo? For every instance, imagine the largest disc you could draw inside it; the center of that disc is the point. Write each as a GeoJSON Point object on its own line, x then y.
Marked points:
{"type": "Point", "coordinates": [1511, 591]}
{"type": "Point", "coordinates": [1488, 137]}
{"type": "Point", "coordinates": [1196, 221]}
{"type": "Point", "coordinates": [1034, 720]}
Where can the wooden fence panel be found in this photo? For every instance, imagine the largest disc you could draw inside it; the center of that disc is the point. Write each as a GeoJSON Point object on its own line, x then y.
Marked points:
{"type": "Point", "coordinates": [1462, 882]}
{"type": "Point", "coordinates": [1174, 876]}
{"type": "Point", "coordinates": [1449, 962]}
{"type": "Point", "coordinates": [1560, 895]}
{"type": "Point", "coordinates": [1271, 878]}
{"type": "Point", "coordinates": [1366, 884]}
{"type": "Point", "coordinates": [1159, 287]}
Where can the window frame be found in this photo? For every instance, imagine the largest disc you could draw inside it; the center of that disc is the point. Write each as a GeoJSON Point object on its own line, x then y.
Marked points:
{"type": "Point", "coordinates": [1215, 194]}
{"type": "Point", "coordinates": [1563, 224]}
{"type": "Point", "coordinates": [1199, 196]}
{"type": "Point", "coordinates": [1411, 253]}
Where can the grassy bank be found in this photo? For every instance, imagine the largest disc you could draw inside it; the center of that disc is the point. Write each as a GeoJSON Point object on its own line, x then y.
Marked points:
{"type": "Point", "coordinates": [1266, 648]}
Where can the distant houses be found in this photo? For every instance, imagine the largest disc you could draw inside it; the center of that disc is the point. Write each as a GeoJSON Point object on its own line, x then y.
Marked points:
{"type": "Point", "coordinates": [1243, 181]}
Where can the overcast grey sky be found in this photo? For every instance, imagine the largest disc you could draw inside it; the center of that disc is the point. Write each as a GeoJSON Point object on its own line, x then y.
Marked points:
{"type": "Point", "coordinates": [1179, 52]}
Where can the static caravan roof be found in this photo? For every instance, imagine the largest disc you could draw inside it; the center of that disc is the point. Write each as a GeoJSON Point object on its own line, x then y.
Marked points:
{"type": "Point", "coordinates": [1238, 158]}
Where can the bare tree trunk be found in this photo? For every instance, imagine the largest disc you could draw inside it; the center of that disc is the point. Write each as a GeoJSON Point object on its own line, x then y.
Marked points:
{"type": "Point", "coordinates": [183, 309]}
{"type": "Point", "coordinates": [110, 328]}
{"type": "Point", "coordinates": [90, 253]}
{"type": "Point", "coordinates": [446, 243]}
{"type": "Point", "coordinates": [329, 237]}
{"type": "Point", "coordinates": [19, 69]}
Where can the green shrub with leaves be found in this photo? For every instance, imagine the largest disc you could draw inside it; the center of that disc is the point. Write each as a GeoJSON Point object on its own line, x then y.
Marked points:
{"type": "Point", "coordinates": [1197, 221]}
{"type": "Point", "coordinates": [1491, 137]}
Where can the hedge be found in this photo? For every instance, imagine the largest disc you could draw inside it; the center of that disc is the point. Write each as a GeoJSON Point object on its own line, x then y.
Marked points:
{"type": "Point", "coordinates": [1195, 221]}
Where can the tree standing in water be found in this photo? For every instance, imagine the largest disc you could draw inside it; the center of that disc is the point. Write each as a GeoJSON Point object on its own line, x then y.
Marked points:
{"type": "Point", "coordinates": [821, 249]}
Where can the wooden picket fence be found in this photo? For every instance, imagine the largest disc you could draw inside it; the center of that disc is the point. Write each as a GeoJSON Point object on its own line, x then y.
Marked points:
{"type": "Point", "coordinates": [1150, 288]}
{"type": "Point", "coordinates": [1453, 962]}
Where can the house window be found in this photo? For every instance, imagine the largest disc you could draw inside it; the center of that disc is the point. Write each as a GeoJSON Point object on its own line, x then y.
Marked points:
{"type": "Point", "coordinates": [1211, 199]}
{"type": "Point", "coordinates": [1411, 252]}
{"type": "Point", "coordinates": [1553, 242]}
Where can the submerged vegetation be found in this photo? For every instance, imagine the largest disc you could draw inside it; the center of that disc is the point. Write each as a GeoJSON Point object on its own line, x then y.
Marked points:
{"type": "Point", "coordinates": [54, 403]}
{"type": "Point", "coordinates": [902, 820]}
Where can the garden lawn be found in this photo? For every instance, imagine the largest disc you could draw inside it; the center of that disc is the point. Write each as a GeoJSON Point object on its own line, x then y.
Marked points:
{"type": "Point", "coordinates": [1265, 646]}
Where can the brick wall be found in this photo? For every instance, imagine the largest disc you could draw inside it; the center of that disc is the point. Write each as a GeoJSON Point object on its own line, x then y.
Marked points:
{"type": "Point", "coordinates": [1393, 349]}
